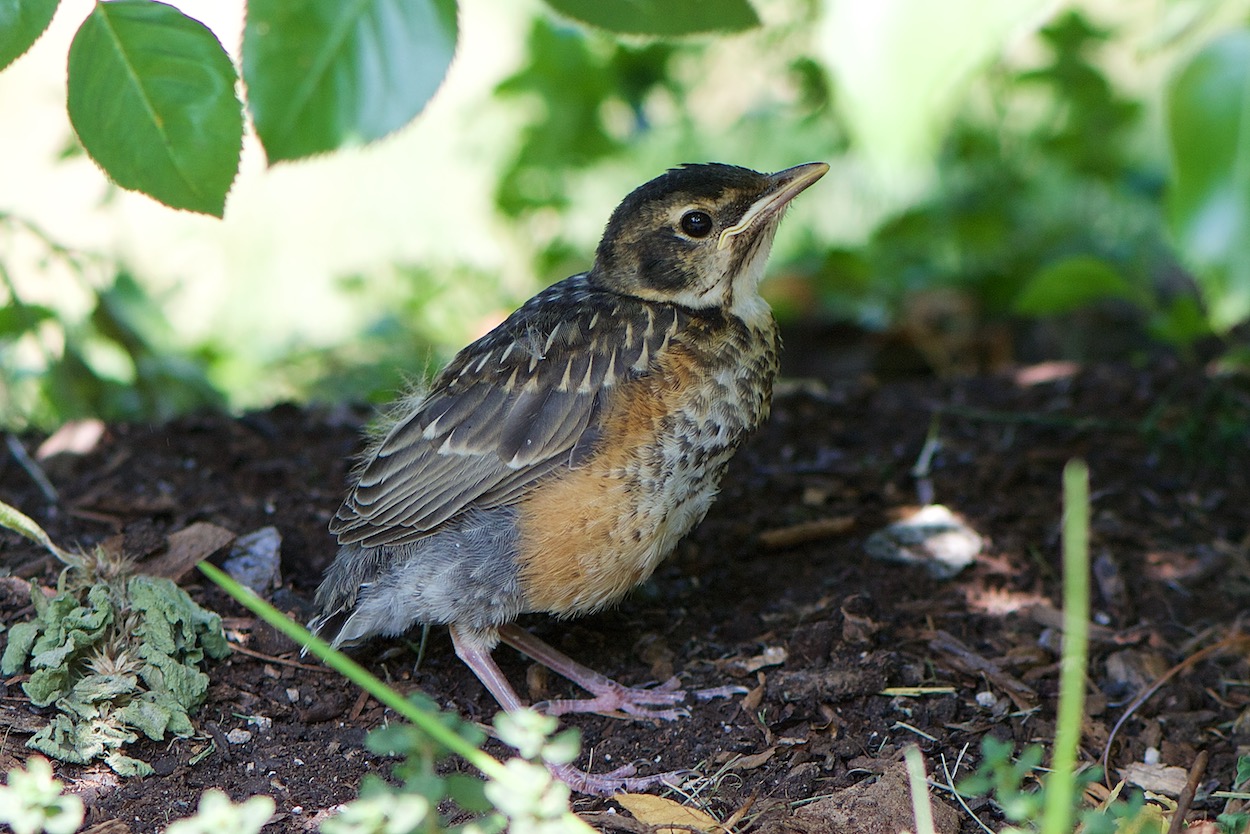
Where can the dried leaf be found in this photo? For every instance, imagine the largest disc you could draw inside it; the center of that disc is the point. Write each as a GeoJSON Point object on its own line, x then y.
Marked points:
{"type": "Point", "coordinates": [771, 656]}
{"type": "Point", "coordinates": [665, 813]}
{"type": "Point", "coordinates": [189, 546]}
{"type": "Point", "coordinates": [754, 760]}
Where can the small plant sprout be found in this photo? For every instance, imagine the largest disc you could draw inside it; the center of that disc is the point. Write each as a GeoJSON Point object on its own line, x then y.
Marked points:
{"type": "Point", "coordinates": [217, 814]}
{"type": "Point", "coordinates": [117, 654]}
{"type": "Point", "coordinates": [32, 801]}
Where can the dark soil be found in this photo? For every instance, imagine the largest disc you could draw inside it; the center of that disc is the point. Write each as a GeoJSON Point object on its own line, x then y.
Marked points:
{"type": "Point", "coordinates": [1168, 452]}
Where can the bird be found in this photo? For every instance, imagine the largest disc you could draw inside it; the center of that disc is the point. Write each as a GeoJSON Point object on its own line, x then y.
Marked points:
{"type": "Point", "coordinates": [555, 461]}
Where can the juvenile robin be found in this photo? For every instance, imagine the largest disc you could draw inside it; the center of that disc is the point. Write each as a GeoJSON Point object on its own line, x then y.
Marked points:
{"type": "Point", "coordinates": [558, 459]}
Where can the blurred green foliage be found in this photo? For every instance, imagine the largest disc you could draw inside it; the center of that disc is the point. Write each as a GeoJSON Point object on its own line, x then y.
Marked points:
{"type": "Point", "coordinates": [1039, 207]}
{"type": "Point", "coordinates": [119, 359]}
{"type": "Point", "coordinates": [1209, 201]}
{"type": "Point", "coordinates": [1070, 209]}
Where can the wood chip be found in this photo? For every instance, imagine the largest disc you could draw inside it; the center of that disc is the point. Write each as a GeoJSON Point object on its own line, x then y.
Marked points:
{"type": "Point", "coordinates": [739, 666]}
{"type": "Point", "coordinates": [807, 531]}
{"type": "Point", "coordinates": [1157, 778]}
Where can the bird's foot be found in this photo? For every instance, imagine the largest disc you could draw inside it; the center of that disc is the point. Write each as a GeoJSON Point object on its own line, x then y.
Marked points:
{"type": "Point", "coordinates": [612, 698]}
{"type": "Point", "coordinates": [621, 780]}
{"type": "Point", "coordinates": [615, 699]}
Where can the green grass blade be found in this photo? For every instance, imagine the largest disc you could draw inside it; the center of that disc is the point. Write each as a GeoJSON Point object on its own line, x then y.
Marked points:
{"type": "Point", "coordinates": [352, 670]}
{"type": "Point", "coordinates": [23, 524]}
{"type": "Point", "coordinates": [1061, 784]}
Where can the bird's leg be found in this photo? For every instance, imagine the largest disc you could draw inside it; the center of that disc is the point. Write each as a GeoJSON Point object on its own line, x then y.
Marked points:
{"type": "Point", "coordinates": [610, 696]}
{"type": "Point", "coordinates": [474, 648]}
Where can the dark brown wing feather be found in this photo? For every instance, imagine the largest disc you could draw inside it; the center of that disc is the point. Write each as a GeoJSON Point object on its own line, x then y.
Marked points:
{"type": "Point", "coordinates": [518, 404]}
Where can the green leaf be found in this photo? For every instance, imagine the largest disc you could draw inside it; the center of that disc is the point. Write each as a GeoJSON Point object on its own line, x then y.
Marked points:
{"type": "Point", "coordinates": [46, 685]}
{"type": "Point", "coordinates": [145, 716]}
{"type": "Point", "coordinates": [186, 684]}
{"type": "Point", "coordinates": [661, 18]}
{"type": "Point", "coordinates": [80, 741]}
{"type": "Point", "coordinates": [33, 801]}
{"type": "Point", "coordinates": [21, 637]}
{"type": "Point", "coordinates": [92, 689]}
{"type": "Point", "coordinates": [323, 74]}
{"type": "Point", "coordinates": [18, 319]}
{"type": "Point", "coordinates": [1069, 284]}
{"type": "Point", "coordinates": [124, 765]}
{"type": "Point", "coordinates": [173, 624]}
{"type": "Point", "coordinates": [1180, 322]}
{"type": "Point", "coordinates": [1208, 106]}
{"type": "Point", "coordinates": [382, 812]}
{"type": "Point", "coordinates": [217, 813]}
{"type": "Point", "coordinates": [151, 96]}
{"type": "Point", "coordinates": [469, 792]}
{"type": "Point", "coordinates": [21, 24]}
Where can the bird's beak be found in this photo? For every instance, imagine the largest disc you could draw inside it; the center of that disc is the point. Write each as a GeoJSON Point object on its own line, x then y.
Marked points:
{"type": "Point", "coordinates": [783, 187]}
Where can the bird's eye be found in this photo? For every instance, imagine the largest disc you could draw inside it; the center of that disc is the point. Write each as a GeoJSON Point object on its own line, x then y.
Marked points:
{"type": "Point", "coordinates": [696, 223]}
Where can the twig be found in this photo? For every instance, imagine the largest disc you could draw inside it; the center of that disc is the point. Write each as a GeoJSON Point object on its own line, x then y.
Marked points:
{"type": "Point", "coordinates": [32, 467]}
{"type": "Point", "coordinates": [1197, 657]}
{"type": "Point", "coordinates": [1187, 795]}
{"type": "Point", "coordinates": [804, 532]}
{"type": "Point", "coordinates": [223, 744]}
{"type": "Point", "coordinates": [968, 661]}
{"type": "Point", "coordinates": [279, 660]}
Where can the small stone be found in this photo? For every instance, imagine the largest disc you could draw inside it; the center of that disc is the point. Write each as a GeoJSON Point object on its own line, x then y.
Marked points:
{"type": "Point", "coordinates": [239, 736]}
{"type": "Point", "coordinates": [254, 560]}
{"type": "Point", "coordinates": [933, 537]}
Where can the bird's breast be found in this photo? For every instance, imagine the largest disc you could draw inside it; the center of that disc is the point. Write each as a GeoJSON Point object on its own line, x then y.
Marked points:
{"type": "Point", "coordinates": [591, 533]}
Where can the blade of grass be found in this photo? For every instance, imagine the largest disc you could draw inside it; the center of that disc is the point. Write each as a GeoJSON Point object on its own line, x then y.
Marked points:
{"type": "Point", "coordinates": [919, 785]}
{"type": "Point", "coordinates": [1061, 784]}
{"type": "Point", "coordinates": [23, 524]}
{"type": "Point", "coordinates": [344, 665]}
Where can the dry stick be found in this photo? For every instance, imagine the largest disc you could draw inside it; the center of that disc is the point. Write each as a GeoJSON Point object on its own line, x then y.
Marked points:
{"type": "Point", "coordinates": [805, 532]}
{"type": "Point", "coordinates": [279, 660]}
{"type": "Point", "coordinates": [33, 469]}
{"type": "Point", "coordinates": [1187, 795]}
{"type": "Point", "coordinates": [1215, 648]}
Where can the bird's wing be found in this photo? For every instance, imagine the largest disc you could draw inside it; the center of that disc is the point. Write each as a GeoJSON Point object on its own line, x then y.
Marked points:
{"type": "Point", "coordinates": [521, 402]}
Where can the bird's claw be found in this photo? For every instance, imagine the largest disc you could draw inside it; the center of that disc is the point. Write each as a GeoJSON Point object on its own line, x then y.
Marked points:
{"type": "Point", "coordinates": [615, 699]}
{"type": "Point", "coordinates": [617, 781]}
{"type": "Point", "coordinates": [619, 701]}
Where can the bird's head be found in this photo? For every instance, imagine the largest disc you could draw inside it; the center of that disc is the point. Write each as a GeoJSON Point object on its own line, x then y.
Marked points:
{"type": "Point", "coordinates": [698, 235]}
